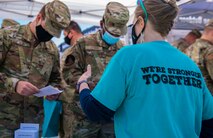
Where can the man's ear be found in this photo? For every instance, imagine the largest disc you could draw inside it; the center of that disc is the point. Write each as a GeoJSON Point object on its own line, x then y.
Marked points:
{"type": "Point", "coordinates": [72, 31]}
{"type": "Point", "coordinates": [38, 18]}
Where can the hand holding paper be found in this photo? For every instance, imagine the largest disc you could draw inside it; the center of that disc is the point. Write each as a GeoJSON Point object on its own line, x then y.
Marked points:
{"type": "Point", "coordinates": [26, 88]}
{"type": "Point", "coordinates": [49, 90]}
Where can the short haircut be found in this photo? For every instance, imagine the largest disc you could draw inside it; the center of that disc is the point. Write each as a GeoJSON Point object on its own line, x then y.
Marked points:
{"type": "Point", "coordinates": [74, 26]}
{"type": "Point", "coordinates": [196, 33]}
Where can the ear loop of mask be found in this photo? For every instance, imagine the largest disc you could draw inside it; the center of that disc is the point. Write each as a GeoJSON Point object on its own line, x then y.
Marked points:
{"type": "Point", "coordinates": [134, 36]}
{"type": "Point", "coordinates": [67, 40]}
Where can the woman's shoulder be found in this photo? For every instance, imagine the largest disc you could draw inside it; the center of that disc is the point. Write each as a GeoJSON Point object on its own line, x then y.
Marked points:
{"type": "Point", "coordinates": [137, 47]}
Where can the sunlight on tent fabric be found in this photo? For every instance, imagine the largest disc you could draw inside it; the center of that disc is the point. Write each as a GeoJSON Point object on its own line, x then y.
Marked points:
{"type": "Point", "coordinates": [91, 11]}
{"type": "Point", "coordinates": [83, 11]}
{"type": "Point", "coordinates": [96, 2]}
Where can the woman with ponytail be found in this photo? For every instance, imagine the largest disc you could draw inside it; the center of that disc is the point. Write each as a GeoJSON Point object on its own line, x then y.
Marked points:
{"type": "Point", "coordinates": [151, 89]}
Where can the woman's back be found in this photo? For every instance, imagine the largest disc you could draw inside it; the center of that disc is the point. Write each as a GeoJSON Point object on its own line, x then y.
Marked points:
{"type": "Point", "coordinates": [163, 93]}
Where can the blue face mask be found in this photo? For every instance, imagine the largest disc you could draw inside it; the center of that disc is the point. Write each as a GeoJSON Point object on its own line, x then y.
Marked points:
{"type": "Point", "coordinates": [110, 39]}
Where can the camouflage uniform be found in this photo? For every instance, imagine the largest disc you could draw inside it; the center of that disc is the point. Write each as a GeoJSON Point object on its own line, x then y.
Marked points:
{"type": "Point", "coordinates": [8, 22]}
{"type": "Point", "coordinates": [181, 44]}
{"type": "Point", "coordinates": [22, 57]}
{"type": "Point", "coordinates": [91, 50]}
{"type": "Point", "coordinates": [202, 53]}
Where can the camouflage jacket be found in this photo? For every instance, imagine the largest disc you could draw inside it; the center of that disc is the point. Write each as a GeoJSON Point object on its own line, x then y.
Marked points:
{"type": "Point", "coordinates": [91, 50]}
{"type": "Point", "coordinates": [181, 44]}
{"type": "Point", "coordinates": [23, 58]}
{"type": "Point", "coordinates": [202, 53]}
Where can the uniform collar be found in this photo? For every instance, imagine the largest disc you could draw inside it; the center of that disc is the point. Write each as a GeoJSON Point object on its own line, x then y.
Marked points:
{"type": "Point", "coordinates": [28, 35]}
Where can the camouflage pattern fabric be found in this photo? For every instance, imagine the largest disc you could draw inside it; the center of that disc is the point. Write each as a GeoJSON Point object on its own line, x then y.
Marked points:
{"type": "Point", "coordinates": [8, 22]}
{"type": "Point", "coordinates": [202, 53]}
{"type": "Point", "coordinates": [23, 58]}
{"type": "Point", "coordinates": [116, 17]}
{"type": "Point", "coordinates": [57, 17]}
{"type": "Point", "coordinates": [181, 44]}
{"type": "Point", "coordinates": [91, 50]}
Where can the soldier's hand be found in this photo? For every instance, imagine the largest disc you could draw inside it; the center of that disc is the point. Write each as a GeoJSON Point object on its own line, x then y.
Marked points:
{"type": "Point", "coordinates": [25, 88]}
{"type": "Point", "coordinates": [52, 97]}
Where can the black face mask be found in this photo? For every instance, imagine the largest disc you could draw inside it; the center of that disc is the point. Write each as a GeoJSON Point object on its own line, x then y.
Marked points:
{"type": "Point", "coordinates": [42, 35]}
{"type": "Point", "coordinates": [134, 36]}
{"type": "Point", "coordinates": [67, 40]}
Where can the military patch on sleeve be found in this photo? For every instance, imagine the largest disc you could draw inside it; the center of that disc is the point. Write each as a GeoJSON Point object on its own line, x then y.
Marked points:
{"type": "Point", "coordinates": [69, 60]}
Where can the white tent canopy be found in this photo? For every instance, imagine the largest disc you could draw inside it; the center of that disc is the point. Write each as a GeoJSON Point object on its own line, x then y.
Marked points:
{"type": "Point", "coordinates": [82, 11]}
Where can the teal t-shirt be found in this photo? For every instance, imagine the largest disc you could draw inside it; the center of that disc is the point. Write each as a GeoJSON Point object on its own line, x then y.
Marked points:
{"type": "Point", "coordinates": [156, 91]}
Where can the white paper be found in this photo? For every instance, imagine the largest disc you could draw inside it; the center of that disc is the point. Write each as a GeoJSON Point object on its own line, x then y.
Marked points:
{"type": "Point", "coordinates": [49, 90]}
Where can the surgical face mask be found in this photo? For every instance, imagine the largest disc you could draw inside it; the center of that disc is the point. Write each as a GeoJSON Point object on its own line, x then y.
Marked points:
{"type": "Point", "coordinates": [67, 40]}
{"type": "Point", "coordinates": [42, 35]}
{"type": "Point", "coordinates": [110, 39]}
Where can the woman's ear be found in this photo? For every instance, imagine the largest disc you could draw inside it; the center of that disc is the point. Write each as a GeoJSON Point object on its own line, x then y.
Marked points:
{"type": "Point", "coordinates": [141, 22]}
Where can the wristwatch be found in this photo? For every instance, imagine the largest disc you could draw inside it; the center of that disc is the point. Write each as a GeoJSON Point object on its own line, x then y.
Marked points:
{"type": "Point", "coordinates": [79, 84]}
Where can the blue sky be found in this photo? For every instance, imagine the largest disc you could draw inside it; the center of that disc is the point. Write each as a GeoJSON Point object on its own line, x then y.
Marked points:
{"type": "Point", "coordinates": [56, 40]}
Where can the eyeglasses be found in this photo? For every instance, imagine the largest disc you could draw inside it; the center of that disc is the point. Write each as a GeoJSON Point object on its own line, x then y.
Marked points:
{"type": "Point", "coordinates": [140, 2]}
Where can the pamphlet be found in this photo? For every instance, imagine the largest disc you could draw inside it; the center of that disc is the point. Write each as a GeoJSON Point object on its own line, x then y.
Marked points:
{"type": "Point", "coordinates": [49, 90]}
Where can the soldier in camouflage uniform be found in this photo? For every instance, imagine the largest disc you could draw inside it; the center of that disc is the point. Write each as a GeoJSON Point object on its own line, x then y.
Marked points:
{"type": "Point", "coordinates": [96, 50]}
{"type": "Point", "coordinates": [72, 33]}
{"type": "Point", "coordinates": [28, 62]}
{"type": "Point", "coordinates": [8, 22]}
{"type": "Point", "coordinates": [202, 53]}
{"type": "Point", "coordinates": [183, 43]}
